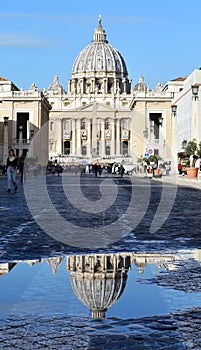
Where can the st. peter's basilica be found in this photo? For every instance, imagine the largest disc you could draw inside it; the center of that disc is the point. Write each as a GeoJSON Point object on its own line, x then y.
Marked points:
{"type": "Point", "coordinates": [100, 115]}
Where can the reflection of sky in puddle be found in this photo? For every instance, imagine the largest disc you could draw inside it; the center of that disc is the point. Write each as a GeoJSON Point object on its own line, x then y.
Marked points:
{"type": "Point", "coordinates": [37, 290]}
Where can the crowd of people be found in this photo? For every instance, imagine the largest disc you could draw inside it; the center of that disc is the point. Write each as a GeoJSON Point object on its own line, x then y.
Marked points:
{"type": "Point", "coordinates": [20, 167]}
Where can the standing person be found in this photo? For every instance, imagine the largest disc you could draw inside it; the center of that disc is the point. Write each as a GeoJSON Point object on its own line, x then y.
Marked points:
{"type": "Point", "coordinates": [11, 170]}
{"type": "Point", "coordinates": [96, 169]}
{"type": "Point", "coordinates": [180, 168]}
{"type": "Point", "coordinates": [21, 169]}
{"type": "Point", "coordinates": [99, 169]}
{"type": "Point", "coordinates": [121, 170]}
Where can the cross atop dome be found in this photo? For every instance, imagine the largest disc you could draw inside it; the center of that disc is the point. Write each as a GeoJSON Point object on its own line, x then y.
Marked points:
{"type": "Point", "coordinates": [100, 21]}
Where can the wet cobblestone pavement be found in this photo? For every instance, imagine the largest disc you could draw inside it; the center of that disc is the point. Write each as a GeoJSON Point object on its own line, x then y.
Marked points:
{"type": "Point", "coordinates": [177, 331]}
{"type": "Point", "coordinates": [21, 236]}
{"type": "Point", "coordinates": [22, 239]}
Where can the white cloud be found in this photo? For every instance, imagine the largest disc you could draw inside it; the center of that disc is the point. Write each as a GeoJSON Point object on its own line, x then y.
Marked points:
{"type": "Point", "coordinates": [73, 17]}
{"type": "Point", "coordinates": [21, 40]}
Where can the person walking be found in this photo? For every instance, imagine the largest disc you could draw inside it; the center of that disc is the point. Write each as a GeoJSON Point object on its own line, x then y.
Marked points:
{"type": "Point", "coordinates": [11, 170]}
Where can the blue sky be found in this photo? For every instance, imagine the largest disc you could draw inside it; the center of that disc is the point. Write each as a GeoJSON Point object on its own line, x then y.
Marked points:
{"type": "Point", "coordinates": [41, 38]}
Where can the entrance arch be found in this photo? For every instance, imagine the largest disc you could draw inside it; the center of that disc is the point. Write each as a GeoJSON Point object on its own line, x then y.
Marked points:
{"type": "Point", "coordinates": [67, 147]}
{"type": "Point", "coordinates": [125, 148]}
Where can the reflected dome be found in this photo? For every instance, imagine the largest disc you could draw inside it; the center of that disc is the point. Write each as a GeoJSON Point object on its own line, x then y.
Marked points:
{"type": "Point", "coordinates": [98, 280]}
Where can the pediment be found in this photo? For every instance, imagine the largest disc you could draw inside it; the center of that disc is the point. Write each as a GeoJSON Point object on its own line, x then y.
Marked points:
{"type": "Point", "coordinates": [103, 107]}
{"type": "Point", "coordinates": [96, 106]}
{"type": "Point", "coordinates": [87, 107]}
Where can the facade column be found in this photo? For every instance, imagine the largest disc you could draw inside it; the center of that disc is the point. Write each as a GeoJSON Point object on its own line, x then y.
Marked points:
{"type": "Point", "coordinates": [59, 137]}
{"type": "Point", "coordinates": [78, 138]}
{"type": "Point", "coordinates": [89, 138]}
{"type": "Point", "coordinates": [98, 136]}
{"type": "Point", "coordinates": [73, 137]}
{"type": "Point", "coordinates": [118, 142]}
{"type": "Point", "coordinates": [112, 150]}
{"type": "Point", "coordinates": [28, 129]}
{"type": "Point", "coordinates": [102, 137]}
{"type": "Point", "coordinates": [5, 140]}
{"type": "Point", "coordinates": [94, 136]}
{"type": "Point", "coordinates": [130, 151]}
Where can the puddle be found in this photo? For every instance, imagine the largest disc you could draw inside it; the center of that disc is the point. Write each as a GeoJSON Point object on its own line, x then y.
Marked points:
{"type": "Point", "coordinates": [122, 285]}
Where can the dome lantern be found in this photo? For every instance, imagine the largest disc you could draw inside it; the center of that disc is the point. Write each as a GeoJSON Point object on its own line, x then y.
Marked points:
{"type": "Point", "coordinates": [99, 33]}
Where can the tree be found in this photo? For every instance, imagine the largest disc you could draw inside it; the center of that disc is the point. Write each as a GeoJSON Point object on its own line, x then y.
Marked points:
{"type": "Point", "coordinates": [191, 149]}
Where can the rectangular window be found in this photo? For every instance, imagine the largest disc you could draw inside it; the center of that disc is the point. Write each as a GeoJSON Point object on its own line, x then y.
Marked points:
{"type": "Point", "coordinates": [155, 123]}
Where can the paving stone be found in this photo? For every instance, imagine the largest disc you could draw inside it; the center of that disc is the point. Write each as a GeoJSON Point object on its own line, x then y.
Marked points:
{"type": "Point", "coordinates": [21, 238]}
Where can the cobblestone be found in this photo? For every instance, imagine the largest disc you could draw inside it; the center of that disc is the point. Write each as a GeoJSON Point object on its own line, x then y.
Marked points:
{"type": "Point", "coordinates": [167, 332]}
{"type": "Point", "coordinates": [21, 238]}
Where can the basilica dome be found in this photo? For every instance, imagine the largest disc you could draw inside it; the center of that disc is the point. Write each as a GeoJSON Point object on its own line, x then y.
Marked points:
{"type": "Point", "coordinates": [99, 68]}
{"type": "Point", "coordinates": [100, 56]}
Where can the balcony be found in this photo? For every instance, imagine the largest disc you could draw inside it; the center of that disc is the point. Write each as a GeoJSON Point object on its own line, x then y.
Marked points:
{"type": "Point", "coordinates": [25, 143]}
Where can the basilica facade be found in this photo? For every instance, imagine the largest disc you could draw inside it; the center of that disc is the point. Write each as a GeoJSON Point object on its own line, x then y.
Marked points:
{"type": "Point", "coordinates": [102, 116]}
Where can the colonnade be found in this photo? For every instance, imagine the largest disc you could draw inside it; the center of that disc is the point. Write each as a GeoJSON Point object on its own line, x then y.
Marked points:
{"type": "Point", "coordinates": [95, 136]}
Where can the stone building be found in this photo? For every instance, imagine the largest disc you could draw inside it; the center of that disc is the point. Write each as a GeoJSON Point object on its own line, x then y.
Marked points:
{"type": "Point", "coordinates": [23, 115]}
{"type": "Point", "coordinates": [187, 107]}
{"type": "Point", "coordinates": [102, 116]}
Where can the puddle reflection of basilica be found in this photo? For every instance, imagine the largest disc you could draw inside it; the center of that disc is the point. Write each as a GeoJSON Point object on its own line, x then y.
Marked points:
{"type": "Point", "coordinates": [99, 280]}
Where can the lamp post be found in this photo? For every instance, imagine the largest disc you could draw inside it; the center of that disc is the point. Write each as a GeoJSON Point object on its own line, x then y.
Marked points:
{"type": "Point", "coordinates": [195, 112]}
{"type": "Point", "coordinates": [195, 90]}
{"type": "Point", "coordinates": [20, 141]}
{"type": "Point", "coordinates": [5, 140]}
{"type": "Point", "coordinates": [174, 110]}
{"type": "Point", "coordinates": [174, 140]}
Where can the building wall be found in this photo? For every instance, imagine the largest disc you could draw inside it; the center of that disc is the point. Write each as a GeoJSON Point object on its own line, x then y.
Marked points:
{"type": "Point", "coordinates": [188, 114]}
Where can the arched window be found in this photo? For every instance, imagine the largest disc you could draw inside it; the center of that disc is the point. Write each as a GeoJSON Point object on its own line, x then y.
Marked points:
{"type": "Point", "coordinates": [67, 147]}
{"type": "Point", "coordinates": [125, 148]}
